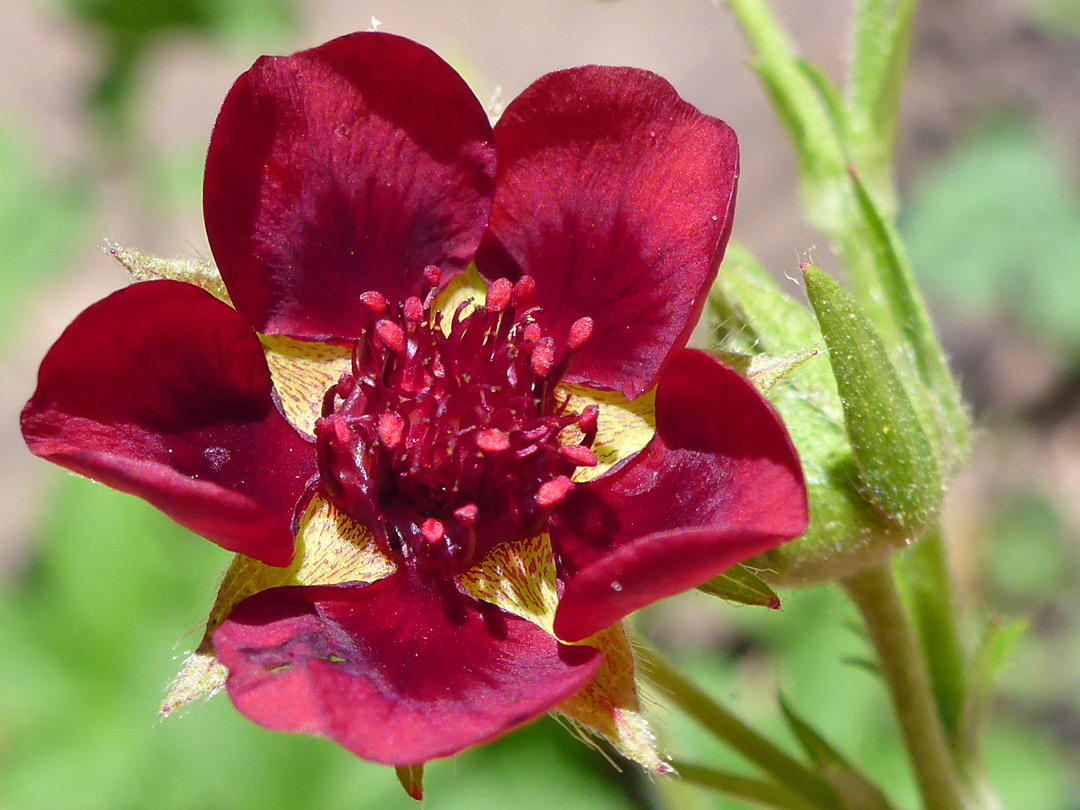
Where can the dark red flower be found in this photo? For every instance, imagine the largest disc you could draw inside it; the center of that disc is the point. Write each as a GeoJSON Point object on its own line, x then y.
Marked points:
{"type": "Point", "coordinates": [444, 412]}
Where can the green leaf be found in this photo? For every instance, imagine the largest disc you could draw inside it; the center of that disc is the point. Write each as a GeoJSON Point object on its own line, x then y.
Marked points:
{"type": "Point", "coordinates": [995, 649]}
{"type": "Point", "coordinates": [828, 95]}
{"type": "Point", "coordinates": [897, 468]}
{"type": "Point", "coordinates": [867, 665]}
{"type": "Point", "coordinates": [854, 789]}
{"type": "Point", "coordinates": [935, 391]}
{"type": "Point", "coordinates": [882, 42]}
{"type": "Point", "coordinates": [755, 792]}
{"type": "Point", "coordinates": [740, 584]}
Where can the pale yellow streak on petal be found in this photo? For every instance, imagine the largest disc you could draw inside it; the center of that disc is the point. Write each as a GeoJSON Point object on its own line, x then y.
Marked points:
{"type": "Point", "coordinates": [331, 549]}
{"type": "Point", "coordinates": [144, 267]}
{"type": "Point", "coordinates": [624, 427]}
{"type": "Point", "coordinates": [467, 286]}
{"type": "Point", "coordinates": [518, 578]}
{"type": "Point", "coordinates": [609, 705]}
{"type": "Point", "coordinates": [302, 372]}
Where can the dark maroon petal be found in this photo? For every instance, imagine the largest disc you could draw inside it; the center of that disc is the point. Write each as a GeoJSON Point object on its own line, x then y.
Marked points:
{"type": "Point", "coordinates": [400, 671]}
{"type": "Point", "coordinates": [719, 483]}
{"type": "Point", "coordinates": [162, 391]}
{"type": "Point", "coordinates": [342, 169]}
{"type": "Point", "coordinates": [617, 196]}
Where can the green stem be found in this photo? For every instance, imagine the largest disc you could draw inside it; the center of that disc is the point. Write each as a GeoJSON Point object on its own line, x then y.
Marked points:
{"type": "Point", "coordinates": [801, 109]}
{"type": "Point", "coordinates": [902, 665]}
{"type": "Point", "coordinates": [752, 791]}
{"type": "Point", "coordinates": [725, 726]}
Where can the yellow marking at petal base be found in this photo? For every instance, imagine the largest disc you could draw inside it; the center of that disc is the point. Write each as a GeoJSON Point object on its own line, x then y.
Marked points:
{"type": "Point", "coordinates": [518, 578]}
{"type": "Point", "coordinates": [624, 427]}
{"type": "Point", "coordinates": [144, 267]}
{"type": "Point", "coordinates": [610, 707]}
{"type": "Point", "coordinates": [302, 372]}
{"type": "Point", "coordinates": [331, 549]}
{"type": "Point", "coordinates": [462, 288]}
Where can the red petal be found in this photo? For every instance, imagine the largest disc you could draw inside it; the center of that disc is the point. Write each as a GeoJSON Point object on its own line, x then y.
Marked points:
{"type": "Point", "coordinates": [398, 672]}
{"type": "Point", "coordinates": [617, 196]}
{"type": "Point", "coordinates": [162, 391]}
{"type": "Point", "coordinates": [342, 169]}
{"type": "Point", "coordinates": [719, 483]}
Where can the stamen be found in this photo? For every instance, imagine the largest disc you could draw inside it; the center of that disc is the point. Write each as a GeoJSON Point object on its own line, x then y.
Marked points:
{"type": "Point", "coordinates": [498, 295]}
{"type": "Point", "coordinates": [524, 291]}
{"type": "Point", "coordinates": [589, 419]}
{"type": "Point", "coordinates": [393, 336]}
{"type": "Point", "coordinates": [374, 300]}
{"type": "Point", "coordinates": [466, 515]}
{"type": "Point", "coordinates": [414, 309]}
{"type": "Point", "coordinates": [579, 454]}
{"type": "Point", "coordinates": [580, 331]}
{"type": "Point", "coordinates": [391, 429]}
{"type": "Point", "coordinates": [433, 530]}
{"type": "Point", "coordinates": [492, 440]}
{"type": "Point", "coordinates": [552, 492]}
{"type": "Point", "coordinates": [543, 357]}
{"type": "Point", "coordinates": [435, 428]}
{"type": "Point", "coordinates": [432, 275]}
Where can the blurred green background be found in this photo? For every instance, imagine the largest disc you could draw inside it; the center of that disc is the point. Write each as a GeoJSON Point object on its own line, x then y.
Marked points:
{"type": "Point", "coordinates": [105, 111]}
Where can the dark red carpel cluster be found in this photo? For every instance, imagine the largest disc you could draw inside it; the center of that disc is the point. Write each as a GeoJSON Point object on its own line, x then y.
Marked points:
{"type": "Point", "coordinates": [345, 186]}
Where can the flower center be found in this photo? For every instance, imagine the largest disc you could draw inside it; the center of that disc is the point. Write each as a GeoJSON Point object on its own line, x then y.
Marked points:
{"type": "Point", "coordinates": [444, 441]}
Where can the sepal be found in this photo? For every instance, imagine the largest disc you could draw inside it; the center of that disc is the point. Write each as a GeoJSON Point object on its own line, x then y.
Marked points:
{"type": "Point", "coordinates": [740, 584]}
{"type": "Point", "coordinates": [145, 267]}
{"type": "Point", "coordinates": [411, 778]}
{"type": "Point", "coordinates": [897, 467]}
{"type": "Point", "coordinates": [751, 315]}
{"type": "Point", "coordinates": [764, 370]}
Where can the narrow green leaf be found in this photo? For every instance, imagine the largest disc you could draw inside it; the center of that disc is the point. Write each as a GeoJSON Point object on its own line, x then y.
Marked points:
{"type": "Point", "coordinates": [898, 471]}
{"type": "Point", "coordinates": [411, 778]}
{"type": "Point", "coordinates": [995, 649]}
{"type": "Point", "coordinates": [740, 584]}
{"type": "Point", "coordinates": [755, 792]}
{"type": "Point", "coordinates": [854, 789]}
{"type": "Point", "coordinates": [913, 321]}
{"type": "Point", "coordinates": [828, 94]}
{"type": "Point", "coordinates": [865, 664]}
{"type": "Point", "coordinates": [882, 42]}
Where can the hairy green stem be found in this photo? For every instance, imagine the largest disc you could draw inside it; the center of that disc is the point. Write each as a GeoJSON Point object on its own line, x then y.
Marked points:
{"type": "Point", "coordinates": [752, 791]}
{"type": "Point", "coordinates": [902, 665]}
{"type": "Point", "coordinates": [725, 726]}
